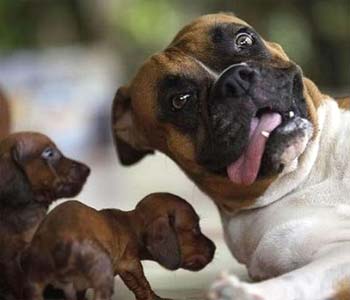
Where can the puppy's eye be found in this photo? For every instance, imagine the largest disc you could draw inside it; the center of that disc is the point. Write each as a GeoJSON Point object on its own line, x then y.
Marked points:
{"type": "Point", "coordinates": [48, 154]}
{"type": "Point", "coordinates": [244, 40]}
{"type": "Point", "coordinates": [179, 101]}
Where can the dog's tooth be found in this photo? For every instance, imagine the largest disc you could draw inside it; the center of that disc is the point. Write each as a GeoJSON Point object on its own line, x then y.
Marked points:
{"type": "Point", "coordinates": [291, 114]}
{"type": "Point", "coordinates": [265, 133]}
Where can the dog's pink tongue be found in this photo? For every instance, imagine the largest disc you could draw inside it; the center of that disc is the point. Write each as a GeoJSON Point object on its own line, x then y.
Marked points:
{"type": "Point", "coordinates": [245, 169]}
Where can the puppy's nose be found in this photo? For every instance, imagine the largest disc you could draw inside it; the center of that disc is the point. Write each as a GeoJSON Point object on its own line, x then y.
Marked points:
{"type": "Point", "coordinates": [81, 169]}
{"type": "Point", "coordinates": [235, 81]}
{"type": "Point", "coordinates": [196, 263]}
{"type": "Point", "coordinates": [85, 170]}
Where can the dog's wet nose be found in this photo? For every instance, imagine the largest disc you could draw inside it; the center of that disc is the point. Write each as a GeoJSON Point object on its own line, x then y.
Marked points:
{"type": "Point", "coordinates": [235, 81]}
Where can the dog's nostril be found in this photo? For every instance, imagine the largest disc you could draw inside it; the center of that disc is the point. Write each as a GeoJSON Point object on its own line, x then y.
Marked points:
{"type": "Point", "coordinates": [245, 75]}
{"type": "Point", "coordinates": [237, 81]}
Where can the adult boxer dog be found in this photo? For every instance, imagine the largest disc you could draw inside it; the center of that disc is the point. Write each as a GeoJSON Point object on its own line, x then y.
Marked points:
{"type": "Point", "coordinates": [241, 120]}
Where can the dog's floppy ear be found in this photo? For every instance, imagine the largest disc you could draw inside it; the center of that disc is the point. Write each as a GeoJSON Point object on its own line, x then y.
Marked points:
{"type": "Point", "coordinates": [128, 140]}
{"type": "Point", "coordinates": [14, 187]}
{"type": "Point", "coordinates": [162, 243]}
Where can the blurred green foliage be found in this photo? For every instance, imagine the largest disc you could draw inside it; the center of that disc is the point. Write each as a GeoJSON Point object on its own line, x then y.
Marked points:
{"type": "Point", "coordinates": [315, 33]}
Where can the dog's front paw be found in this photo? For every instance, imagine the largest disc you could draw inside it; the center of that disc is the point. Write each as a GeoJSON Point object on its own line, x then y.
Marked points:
{"type": "Point", "coordinates": [229, 287]}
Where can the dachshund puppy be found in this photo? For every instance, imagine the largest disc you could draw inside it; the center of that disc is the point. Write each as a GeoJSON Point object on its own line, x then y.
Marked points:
{"type": "Point", "coordinates": [77, 247]}
{"type": "Point", "coordinates": [5, 120]}
{"type": "Point", "coordinates": [33, 174]}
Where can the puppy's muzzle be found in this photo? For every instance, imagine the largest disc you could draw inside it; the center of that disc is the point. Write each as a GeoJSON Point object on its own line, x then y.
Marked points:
{"type": "Point", "coordinates": [73, 182]}
{"type": "Point", "coordinates": [200, 260]}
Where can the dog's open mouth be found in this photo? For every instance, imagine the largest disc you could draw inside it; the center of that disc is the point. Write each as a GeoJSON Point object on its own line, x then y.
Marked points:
{"type": "Point", "coordinates": [245, 170]}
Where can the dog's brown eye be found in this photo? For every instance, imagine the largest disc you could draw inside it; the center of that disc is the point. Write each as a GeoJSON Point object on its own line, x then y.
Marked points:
{"type": "Point", "coordinates": [179, 101]}
{"type": "Point", "coordinates": [244, 40]}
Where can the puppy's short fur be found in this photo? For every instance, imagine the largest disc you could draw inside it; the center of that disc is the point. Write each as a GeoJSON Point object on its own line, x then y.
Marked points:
{"type": "Point", "coordinates": [90, 247]}
{"type": "Point", "coordinates": [33, 174]}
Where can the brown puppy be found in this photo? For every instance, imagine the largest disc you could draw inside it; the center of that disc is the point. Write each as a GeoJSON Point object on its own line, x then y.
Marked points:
{"type": "Point", "coordinates": [33, 174]}
{"type": "Point", "coordinates": [4, 116]}
{"type": "Point", "coordinates": [90, 247]}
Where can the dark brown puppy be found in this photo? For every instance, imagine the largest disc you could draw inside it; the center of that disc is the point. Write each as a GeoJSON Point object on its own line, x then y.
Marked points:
{"type": "Point", "coordinates": [5, 120]}
{"type": "Point", "coordinates": [33, 174]}
{"type": "Point", "coordinates": [90, 247]}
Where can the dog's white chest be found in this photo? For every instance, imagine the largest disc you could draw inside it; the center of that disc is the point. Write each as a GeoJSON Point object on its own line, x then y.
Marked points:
{"type": "Point", "coordinates": [286, 229]}
{"type": "Point", "coordinates": [281, 239]}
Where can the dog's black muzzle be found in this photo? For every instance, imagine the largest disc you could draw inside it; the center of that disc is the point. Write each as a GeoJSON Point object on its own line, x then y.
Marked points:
{"type": "Point", "coordinates": [244, 91]}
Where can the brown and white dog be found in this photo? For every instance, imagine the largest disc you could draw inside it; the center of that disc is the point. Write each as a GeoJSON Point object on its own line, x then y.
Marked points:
{"type": "Point", "coordinates": [33, 174]}
{"type": "Point", "coordinates": [242, 121]}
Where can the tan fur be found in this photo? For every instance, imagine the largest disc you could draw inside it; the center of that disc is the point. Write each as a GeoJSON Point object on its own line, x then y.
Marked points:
{"type": "Point", "coordinates": [194, 37]}
{"type": "Point", "coordinates": [314, 98]}
{"type": "Point", "coordinates": [344, 103]}
{"type": "Point", "coordinates": [343, 290]}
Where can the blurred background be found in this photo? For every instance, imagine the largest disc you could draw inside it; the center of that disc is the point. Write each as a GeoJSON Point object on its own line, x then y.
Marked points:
{"type": "Point", "coordinates": [61, 62]}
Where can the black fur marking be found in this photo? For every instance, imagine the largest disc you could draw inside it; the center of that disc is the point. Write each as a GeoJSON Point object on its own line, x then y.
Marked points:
{"type": "Point", "coordinates": [186, 119]}
{"type": "Point", "coordinates": [225, 52]}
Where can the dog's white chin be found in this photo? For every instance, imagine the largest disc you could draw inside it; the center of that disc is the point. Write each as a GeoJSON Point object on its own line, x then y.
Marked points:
{"type": "Point", "coordinates": [245, 169]}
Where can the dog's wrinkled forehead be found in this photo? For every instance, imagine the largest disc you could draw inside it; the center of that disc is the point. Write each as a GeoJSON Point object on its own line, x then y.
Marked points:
{"type": "Point", "coordinates": [213, 35]}
{"type": "Point", "coordinates": [206, 43]}
{"type": "Point", "coordinates": [202, 30]}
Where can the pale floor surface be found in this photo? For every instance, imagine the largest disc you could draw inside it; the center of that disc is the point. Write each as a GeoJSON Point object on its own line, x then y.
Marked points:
{"type": "Point", "coordinates": [111, 185]}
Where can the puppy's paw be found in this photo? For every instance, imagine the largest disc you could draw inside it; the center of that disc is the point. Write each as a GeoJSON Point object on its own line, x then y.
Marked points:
{"type": "Point", "coordinates": [229, 287]}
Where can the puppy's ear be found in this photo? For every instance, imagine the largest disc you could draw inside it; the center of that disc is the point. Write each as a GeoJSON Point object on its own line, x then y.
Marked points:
{"type": "Point", "coordinates": [14, 187]}
{"type": "Point", "coordinates": [162, 243]}
{"type": "Point", "coordinates": [16, 154]}
{"type": "Point", "coordinates": [129, 141]}
{"type": "Point", "coordinates": [9, 166]}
